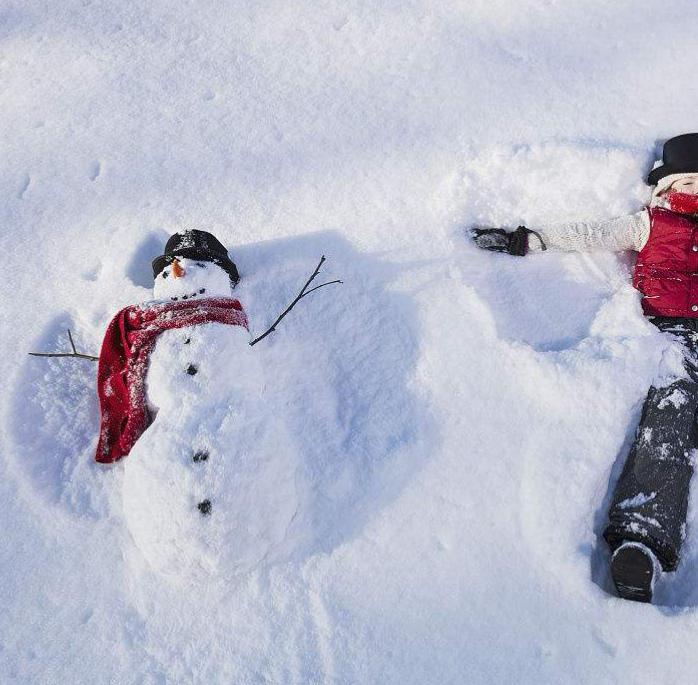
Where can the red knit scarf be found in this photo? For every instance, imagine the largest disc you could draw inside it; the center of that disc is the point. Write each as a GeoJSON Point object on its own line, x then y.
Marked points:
{"type": "Point", "coordinates": [682, 203]}
{"type": "Point", "coordinates": [123, 363]}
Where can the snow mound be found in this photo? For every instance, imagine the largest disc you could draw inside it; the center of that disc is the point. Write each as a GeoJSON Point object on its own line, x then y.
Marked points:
{"type": "Point", "coordinates": [551, 182]}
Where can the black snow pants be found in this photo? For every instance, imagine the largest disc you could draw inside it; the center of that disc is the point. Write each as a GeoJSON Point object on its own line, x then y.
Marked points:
{"type": "Point", "coordinates": [651, 497]}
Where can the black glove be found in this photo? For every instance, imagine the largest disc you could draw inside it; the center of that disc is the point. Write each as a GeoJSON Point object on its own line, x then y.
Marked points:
{"type": "Point", "coordinates": [501, 240]}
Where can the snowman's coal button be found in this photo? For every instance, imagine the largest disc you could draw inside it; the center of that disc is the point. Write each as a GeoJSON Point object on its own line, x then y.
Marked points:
{"type": "Point", "coordinates": [204, 507]}
{"type": "Point", "coordinates": [192, 370]}
{"type": "Point", "coordinates": [187, 341]}
{"type": "Point", "coordinates": [201, 455]}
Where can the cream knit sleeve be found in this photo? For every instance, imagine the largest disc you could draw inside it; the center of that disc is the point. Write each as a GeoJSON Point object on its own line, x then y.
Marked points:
{"type": "Point", "coordinates": [623, 233]}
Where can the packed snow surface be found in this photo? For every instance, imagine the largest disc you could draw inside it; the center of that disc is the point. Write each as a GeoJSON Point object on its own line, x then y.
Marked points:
{"type": "Point", "coordinates": [426, 449]}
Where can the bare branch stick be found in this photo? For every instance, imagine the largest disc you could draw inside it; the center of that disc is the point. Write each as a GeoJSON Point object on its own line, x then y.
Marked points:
{"type": "Point", "coordinates": [74, 353]}
{"type": "Point", "coordinates": [72, 344]}
{"type": "Point", "coordinates": [64, 354]}
{"type": "Point", "coordinates": [317, 287]}
{"type": "Point", "coordinates": [304, 291]}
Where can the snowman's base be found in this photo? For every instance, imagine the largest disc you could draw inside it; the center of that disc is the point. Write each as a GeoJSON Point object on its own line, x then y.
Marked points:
{"type": "Point", "coordinates": [210, 488]}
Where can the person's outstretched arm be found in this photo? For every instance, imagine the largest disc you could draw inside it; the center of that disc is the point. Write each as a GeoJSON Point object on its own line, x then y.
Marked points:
{"type": "Point", "coordinates": [624, 233]}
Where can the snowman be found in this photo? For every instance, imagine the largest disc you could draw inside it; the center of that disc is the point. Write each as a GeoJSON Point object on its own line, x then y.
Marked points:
{"type": "Point", "coordinates": [210, 471]}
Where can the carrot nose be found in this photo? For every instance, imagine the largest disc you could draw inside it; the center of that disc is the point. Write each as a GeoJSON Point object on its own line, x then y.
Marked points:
{"type": "Point", "coordinates": [177, 270]}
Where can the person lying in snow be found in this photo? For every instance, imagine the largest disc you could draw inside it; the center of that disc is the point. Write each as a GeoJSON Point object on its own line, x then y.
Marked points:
{"type": "Point", "coordinates": [647, 516]}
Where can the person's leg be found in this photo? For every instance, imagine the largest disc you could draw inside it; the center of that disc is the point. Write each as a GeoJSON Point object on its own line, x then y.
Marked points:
{"type": "Point", "coordinates": [651, 497]}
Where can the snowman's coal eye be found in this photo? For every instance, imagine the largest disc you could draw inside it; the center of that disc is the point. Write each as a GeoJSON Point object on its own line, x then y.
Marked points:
{"type": "Point", "coordinates": [165, 274]}
{"type": "Point", "coordinates": [203, 266]}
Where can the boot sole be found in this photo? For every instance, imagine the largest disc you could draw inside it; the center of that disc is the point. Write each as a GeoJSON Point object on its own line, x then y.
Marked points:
{"type": "Point", "coordinates": [633, 573]}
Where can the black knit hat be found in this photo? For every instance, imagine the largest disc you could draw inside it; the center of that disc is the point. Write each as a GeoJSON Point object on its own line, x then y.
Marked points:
{"type": "Point", "coordinates": [680, 156]}
{"type": "Point", "coordinates": [199, 245]}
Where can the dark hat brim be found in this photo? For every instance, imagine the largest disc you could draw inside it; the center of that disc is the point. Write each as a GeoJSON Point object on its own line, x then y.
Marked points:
{"type": "Point", "coordinates": [660, 172]}
{"type": "Point", "coordinates": [227, 264]}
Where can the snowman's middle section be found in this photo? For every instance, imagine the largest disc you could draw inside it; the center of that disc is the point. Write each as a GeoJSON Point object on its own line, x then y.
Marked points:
{"type": "Point", "coordinates": [210, 486]}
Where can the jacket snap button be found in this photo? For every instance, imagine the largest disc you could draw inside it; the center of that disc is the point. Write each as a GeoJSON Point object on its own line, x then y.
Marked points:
{"type": "Point", "coordinates": [694, 308]}
{"type": "Point", "coordinates": [695, 248]}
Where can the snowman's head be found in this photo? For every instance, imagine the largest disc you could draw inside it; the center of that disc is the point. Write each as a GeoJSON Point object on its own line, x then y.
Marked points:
{"type": "Point", "coordinates": [195, 264]}
{"type": "Point", "coordinates": [185, 278]}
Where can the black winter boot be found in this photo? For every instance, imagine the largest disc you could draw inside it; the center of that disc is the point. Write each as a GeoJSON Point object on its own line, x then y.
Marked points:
{"type": "Point", "coordinates": [635, 569]}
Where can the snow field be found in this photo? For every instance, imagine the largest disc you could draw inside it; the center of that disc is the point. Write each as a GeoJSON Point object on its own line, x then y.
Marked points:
{"type": "Point", "coordinates": [456, 415]}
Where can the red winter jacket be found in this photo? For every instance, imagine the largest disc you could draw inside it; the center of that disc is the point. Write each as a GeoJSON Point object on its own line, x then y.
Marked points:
{"type": "Point", "coordinates": [666, 271]}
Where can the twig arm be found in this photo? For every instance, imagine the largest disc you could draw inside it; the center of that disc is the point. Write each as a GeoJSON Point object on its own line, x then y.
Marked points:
{"type": "Point", "coordinates": [75, 354]}
{"type": "Point", "coordinates": [72, 344]}
{"type": "Point", "coordinates": [304, 291]}
{"type": "Point", "coordinates": [317, 287]}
